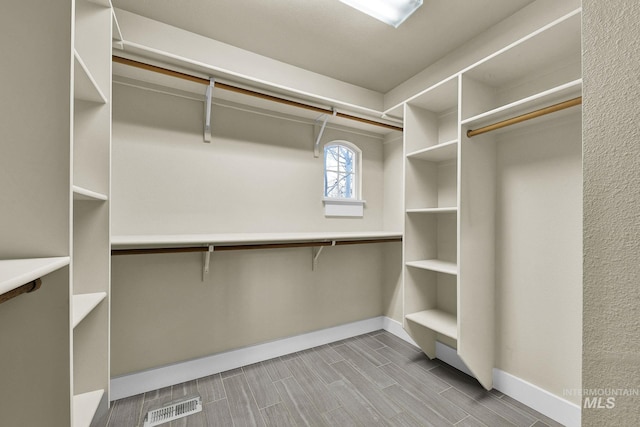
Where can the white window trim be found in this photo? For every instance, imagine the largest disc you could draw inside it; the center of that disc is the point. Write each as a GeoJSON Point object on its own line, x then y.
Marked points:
{"type": "Point", "coordinates": [342, 207]}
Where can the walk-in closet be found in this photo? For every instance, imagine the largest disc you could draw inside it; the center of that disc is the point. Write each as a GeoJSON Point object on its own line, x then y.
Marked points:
{"type": "Point", "coordinates": [273, 214]}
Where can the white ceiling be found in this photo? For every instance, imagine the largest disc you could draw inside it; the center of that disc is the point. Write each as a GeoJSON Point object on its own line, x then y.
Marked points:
{"type": "Point", "coordinates": [331, 38]}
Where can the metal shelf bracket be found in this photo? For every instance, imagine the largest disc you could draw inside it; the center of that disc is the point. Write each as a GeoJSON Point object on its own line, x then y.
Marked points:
{"type": "Point", "coordinates": [207, 110]}
{"type": "Point", "coordinates": [206, 261]}
{"type": "Point", "coordinates": [315, 255]}
{"type": "Point", "coordinates": [325, 119]}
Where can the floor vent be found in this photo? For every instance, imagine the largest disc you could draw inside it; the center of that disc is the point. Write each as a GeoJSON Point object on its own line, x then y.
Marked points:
{"type": "Point", "coordinates": [173, 411]}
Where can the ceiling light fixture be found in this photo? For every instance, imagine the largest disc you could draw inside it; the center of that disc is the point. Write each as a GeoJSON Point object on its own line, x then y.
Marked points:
{"type": "Point", "coordinates": [392, 12]}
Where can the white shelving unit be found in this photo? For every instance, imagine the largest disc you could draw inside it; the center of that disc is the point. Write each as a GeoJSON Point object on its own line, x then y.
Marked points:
{"type": "Point", "coordinates": [450, 185]}
{"type": "Point", "coordinates": [91, 209]}
{"type": "Point", "coordinates": [17, 272]}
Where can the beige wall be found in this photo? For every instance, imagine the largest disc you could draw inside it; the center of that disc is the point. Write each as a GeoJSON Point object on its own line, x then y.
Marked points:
{"type": "Point", "coordinates": [611, 141]}
{"type": "Point", "coordinates": [257, 175]}
{"type": "Point", "coordinates": [539, 254]}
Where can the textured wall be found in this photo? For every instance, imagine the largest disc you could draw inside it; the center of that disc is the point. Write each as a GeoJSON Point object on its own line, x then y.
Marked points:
{"type": "Point", "coordinates": [611, 146]}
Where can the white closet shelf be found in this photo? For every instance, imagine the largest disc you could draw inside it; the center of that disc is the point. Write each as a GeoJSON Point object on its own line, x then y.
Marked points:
{"type": "Point", "coordinates": [437, 320]}
{"type": "Point", "coordinates": [441, 97]}
{"type": "Point", "coordinates": [17, 272]}
{"type": "Point", "coordinates": [105, 3]}
{"type": "Point", "coordinates": [85, 406]}
{"type": "Point", "coordinates": [83, 304]}
{"type": "Point", "coordinates": [80, 193]}
{"type": "Point", "coordinates": [548, 97]}
{"type": "Point", "coordinates": [433, 210]}
{"type": "Point", "coordinates": [437, 153]}
{"type": "Point", "coordinates": [245, 238]}
{"type": "Point", "coordinates": [435, 265]}
{"type": "Point", "coordinates": [85, 86]}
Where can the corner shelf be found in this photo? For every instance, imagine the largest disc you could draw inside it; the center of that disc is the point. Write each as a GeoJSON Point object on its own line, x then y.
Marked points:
{"type": "Point", "coordinates": [83, 304]}
{"type": "Point", "coordinates": [435, 265]}
{"type": "Point", "coordinates": [436, 153]}
{"type": "Point", "coordinates": [437, 320]}
{"type": "Point", "coordinates": [85, 86]}
{"type": "Point", "coordinates": [17, 272]}
{"type": "Point", "coordinates": [85, 406]}
{"type": "Point", "coordinates": [80, 193]}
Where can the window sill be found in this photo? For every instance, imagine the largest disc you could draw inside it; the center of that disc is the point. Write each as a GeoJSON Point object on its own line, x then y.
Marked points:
{"type": "Point", "coordinates": [343, 207]}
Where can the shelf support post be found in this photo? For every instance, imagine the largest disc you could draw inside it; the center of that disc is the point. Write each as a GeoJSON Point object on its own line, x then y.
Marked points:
{"type": "Point", "coordinates": [325, 119]}
{"type": "Point", "coordinates": [207, 261]}
{"type": "Point", "coordinates": [207, 110]}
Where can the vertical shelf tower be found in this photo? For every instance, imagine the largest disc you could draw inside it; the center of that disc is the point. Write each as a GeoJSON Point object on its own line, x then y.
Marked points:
{"type": "Point", "coordinates": [55, 169]}
{"type": "Point", "coordinates": [450, 185]}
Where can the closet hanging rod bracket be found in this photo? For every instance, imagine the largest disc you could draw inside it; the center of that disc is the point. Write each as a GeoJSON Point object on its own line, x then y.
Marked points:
{"type": "Point", "coordinates": [325, 119]}
{"type": "Point", "coordinates": [207, 110]}
{"type": "Point", "coordinates": [315, 254]}
{"type": "Point", "coordinates": [32, 286]}
{"type": "Point", "coordinates": [207, 261]}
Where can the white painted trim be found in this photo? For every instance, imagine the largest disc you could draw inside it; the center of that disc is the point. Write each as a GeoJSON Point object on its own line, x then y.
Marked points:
{"type": "Point", "coordinates": [554, 407]}
{"type": "Point", "coordinates": [529, 394]}
{"type": "Point", "coordinates": [153, 379]}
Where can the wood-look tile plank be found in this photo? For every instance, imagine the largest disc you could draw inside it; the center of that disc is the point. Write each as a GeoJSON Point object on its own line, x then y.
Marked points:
{"type": "Point", "coordinates": [476, 409]}
{"type": "Point", "coordinates": [277, 369]}
{"type": "Point", "coordinates": [102, 420]}
{"type": "Point", "coordinates": [459, 380]}
{"type": "Point", "coordinates": [242, 405]}
{"type": "Point", "coordinates": [126, 412]}
{"type": "Point", "coordinates": [290, 356]}
{"type": "Point", "coordinates": [377, 359]}
{"type": "Point", "coordinates": [318, 364]}
{"type": "Point", "coordinates": [370, 341]}
{"type": "Point", "coordinates": [403, 419]}
{"type": "Point", "coordinates": [425, 394]}
{"type": "Point", "coordinates": [540, 424]}
{"type": "Point", "coordinates": [470, 422]}
{"type": "Point", "coordinates": [524, 408]}
{"type": "Point", "coordinates": [340, 417]}
{"type": "Point", "coordinates": [300, 406]}
{"type": "Point", "coordinates": [312, 385]}
{"type": "Point", "coordinates": [367, 389]}
{"type": "Point", "coordinates": [231, 372]}
{"type": "Point", "coordinates": [211, 388]}
{"type": "Point", "coordinates": [356, 405]}
{"type": "Point", "coordinates": [261, 385]}
{"type": "Point", "coordinates": [217, 413]}
{"type": "Point", "coordinates": [187, 389]}
{"type": "Point", "coordinates": [328, 354]}
{"type": "Point", "coordinates": [367, 368]}
{"type": "Point", "coordinates": [420, 360]}
{"type": "Point", "coordinates": [416, 408]}
{"type": "Point", "coordinates": [277, 416]}
{"type": "Point", "coordinates": [397, 344]}
{"type": "Point", "coordinates": [415, 370]}
{"type": "Point", "coordinates": [506, 411]}
{"type": "Point", "coordinates": [162, 394]}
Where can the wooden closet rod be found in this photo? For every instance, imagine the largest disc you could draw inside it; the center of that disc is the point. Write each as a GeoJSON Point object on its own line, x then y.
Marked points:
{"type": "Point", "coordinates": [248, 247]}
{"type": "Point", "coordinates": [26, 288]}
{"type": "Point", "coordinates": [244, 91]}
{"type": "Point", "coordinates": [528, 116]}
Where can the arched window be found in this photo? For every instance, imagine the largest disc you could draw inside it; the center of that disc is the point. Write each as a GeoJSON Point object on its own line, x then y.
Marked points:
{"type": "Point", "coordinates": [340, 167]}
{"type": "Point", "coordinates": [342, 179]}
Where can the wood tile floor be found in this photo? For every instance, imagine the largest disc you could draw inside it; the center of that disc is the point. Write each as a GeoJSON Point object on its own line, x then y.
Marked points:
{"type": "Point", "coordinates": [372, 379]}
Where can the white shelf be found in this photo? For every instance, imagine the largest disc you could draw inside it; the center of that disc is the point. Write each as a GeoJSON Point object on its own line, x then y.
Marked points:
{"type": "Point", "coordinates": [104, 3]}
{"type": "Point", "coordinates": [438, 98]}
{"type": "Point", "coordinates": [437, 320]}
{"type": "Point", "coordinates": [17, 272]}
{"type": "Point", "coordinates": [83, 304]}
{"type": "Point", "coordinates": [245, 238]}
{"type": "Point", "coordinates": [435, 265]}
{"type": "Point", "coordinates": [433, 210]}
{"type": "Point", "coordinates": [85, 406]}
{"type": "Point", "coordinates": [528, 104]}
{"type": "Point", "coordinates": [80, 193]}
{"type": "Point", "coordinates": [437, 153]}
{"type": "Point", "coordinates": [85, 86]}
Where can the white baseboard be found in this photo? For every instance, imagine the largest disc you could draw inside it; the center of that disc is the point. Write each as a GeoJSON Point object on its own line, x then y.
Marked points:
{"type": "Point", "coordinates": [529, 394]}
{"type": "Point", "coordinates": [153, 379]}
{"type": "Point", "coordinates": [554, 407]}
